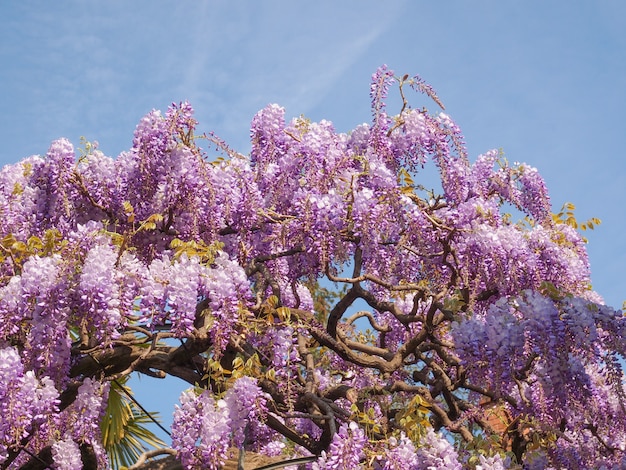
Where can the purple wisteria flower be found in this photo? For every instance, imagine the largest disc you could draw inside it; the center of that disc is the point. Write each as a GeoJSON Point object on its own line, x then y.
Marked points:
{"type": "Point", "coordinates": [81, 420]}
{"type": "Point", "coordinates": [66, 455]}
{"type": "Point", "coordinates": [99, 290]}
{"type": "Point", "coordinates": [345, 451]}
{"type": "Point", "coordinates": [436, 453]}
{"type": "Point", "coordinates": [247, 409]}
{"type": "Point", "coordinates": [27, 404]}
{"type": "Point", "coordinates": [492, 463]}
{"type": "Point", "coordinates": [201, 430]}
{"type": "Point", "coordinates": [281, 256]}
{"type": "Point", "coordinates": [400, 454]}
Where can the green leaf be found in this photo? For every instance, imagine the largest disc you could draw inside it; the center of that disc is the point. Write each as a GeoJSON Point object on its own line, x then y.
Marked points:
{"type": "Point", "coordinates": [124, 434]}
{"type": "Point", "coordinates": [284, 313]}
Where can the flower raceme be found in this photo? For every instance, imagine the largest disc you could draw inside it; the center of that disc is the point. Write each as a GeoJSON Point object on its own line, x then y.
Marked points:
{"type": "Point", "coordinates": [321, 301]}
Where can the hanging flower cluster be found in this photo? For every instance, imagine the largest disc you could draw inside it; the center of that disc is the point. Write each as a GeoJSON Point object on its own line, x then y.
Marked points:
{"type": "Point", "coordinates": [325, 303]}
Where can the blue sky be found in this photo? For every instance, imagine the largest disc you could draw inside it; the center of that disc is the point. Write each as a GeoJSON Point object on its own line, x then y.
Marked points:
{"type": "Point", "coordinates": [543, 80]}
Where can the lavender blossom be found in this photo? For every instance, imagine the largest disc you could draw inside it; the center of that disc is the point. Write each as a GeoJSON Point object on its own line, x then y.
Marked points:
{"type": "Point", "coordinates": [345, 451]}
{"type": "Point", "coordinates": [201, 430]}
{"type": "Point", "coordinates": [66, 455]}
{"type": "Point", "coordinates": [435, 452]}
{"type": "Point", "coordinates": [246, 405]}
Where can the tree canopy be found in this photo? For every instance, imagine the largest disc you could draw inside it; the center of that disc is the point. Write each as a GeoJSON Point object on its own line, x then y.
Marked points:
{"type": "Point", "coordinates": [320, 302]}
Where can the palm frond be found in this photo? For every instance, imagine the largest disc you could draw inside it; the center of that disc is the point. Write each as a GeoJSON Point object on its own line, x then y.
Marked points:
{"type": "Point", "coordinates": [124, 433]}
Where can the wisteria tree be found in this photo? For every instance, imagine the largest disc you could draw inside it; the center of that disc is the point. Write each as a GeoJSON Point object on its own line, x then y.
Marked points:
{"type": "Point", "coordinates": [319, 302]}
